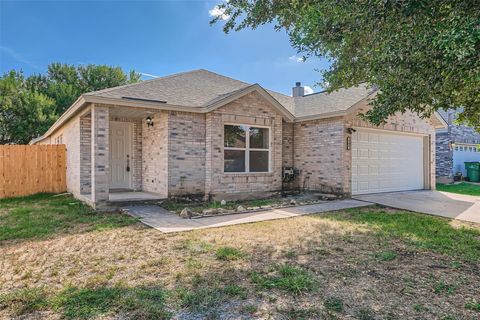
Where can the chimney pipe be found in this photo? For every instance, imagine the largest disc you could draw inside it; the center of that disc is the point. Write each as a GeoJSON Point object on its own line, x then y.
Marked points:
{"type": "Point", "coordinates": [298, 90]}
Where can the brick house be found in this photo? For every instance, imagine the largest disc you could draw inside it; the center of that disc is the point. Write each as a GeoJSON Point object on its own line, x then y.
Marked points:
{"type": "Point", "coordinates": [456, 144]}
{"type": "Point", "coordinates": [201, 133]}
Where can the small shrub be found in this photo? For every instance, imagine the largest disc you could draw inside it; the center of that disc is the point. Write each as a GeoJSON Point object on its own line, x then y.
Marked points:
{"type": "Point", "coordinates": [229, 254]}
{"type": "Point", "coordinates": [333, 304]}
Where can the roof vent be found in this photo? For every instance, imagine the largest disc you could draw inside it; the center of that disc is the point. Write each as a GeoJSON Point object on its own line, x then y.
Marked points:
{"type": "Point", "coordinates": [298, 90]}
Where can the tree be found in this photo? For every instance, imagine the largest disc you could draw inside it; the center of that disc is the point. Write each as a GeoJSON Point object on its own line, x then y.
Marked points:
{"type": "Point", "coordinates": [24, 114]}
{"type": "Point", "coordinates": [29, 106]}
{"type": "Point", "coordinates": [423, 54]}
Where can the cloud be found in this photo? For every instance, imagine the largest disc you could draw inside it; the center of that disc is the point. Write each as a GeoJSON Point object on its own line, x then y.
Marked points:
{"type": "Point", "coordinates": [149, 75]}
{"type": "Point", "coordinates": [308, 90]}
{"type": "Point", "coordinates": [218, 12]}
{"type": "Point", "coordinates": [296, 58]}
{"type": "Point", "coordinates": [18, 57]}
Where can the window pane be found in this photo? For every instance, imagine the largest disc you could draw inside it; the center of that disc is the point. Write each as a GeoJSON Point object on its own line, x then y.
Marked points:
{"type": "Point", "coordinates": [234, 136]}
{"type": "Point", "coordinates": [234, 161]}
{"type": "Point", "coordinates": [258, 138]}
{"type": "Point", "coordinates": [258, 161]}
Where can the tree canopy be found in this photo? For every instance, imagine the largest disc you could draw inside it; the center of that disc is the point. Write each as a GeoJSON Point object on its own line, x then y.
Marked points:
{"type": "Point", "coordinates": [423, 55]}
{"type": "Point", "coordinates": [30, 105]}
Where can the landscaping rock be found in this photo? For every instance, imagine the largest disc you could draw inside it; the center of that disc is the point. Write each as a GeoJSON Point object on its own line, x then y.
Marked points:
{"type": "Point", "coordinates": [240, 208]}
{"type": "Point", "coordinates": [209, 212]}
{"type": "Point", "coordinates": [186, 213]}
{"type": "Point", "coordinates": [266, 207]}
{"type": "Point", "coordinates": [293, 202]}
{"type": "Point", "coordinates": [327, 196]}
{"type": "Point", "coordinates": [223, 203]}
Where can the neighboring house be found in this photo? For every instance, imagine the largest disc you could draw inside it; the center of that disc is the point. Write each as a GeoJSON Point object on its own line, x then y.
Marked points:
{"type": "Point", "coordinates": [201, 133]}
{"type": "Point", "coordinates": [456, 144]}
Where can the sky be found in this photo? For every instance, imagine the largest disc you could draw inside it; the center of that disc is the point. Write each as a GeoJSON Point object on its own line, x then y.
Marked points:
{"type": "Point", "coordinates": [156, 38]}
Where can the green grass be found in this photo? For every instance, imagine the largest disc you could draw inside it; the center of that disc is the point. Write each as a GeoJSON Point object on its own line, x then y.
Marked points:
{"type": "Point", "coordinates": [204, 298]}
{"type": "Point", "coordinates": [461, 188]}
{"type": "Point", "coordinates": [87, 303]}
{"type": "Point", "coordinates": [417, 230]}
{"type": "Point", "coordinates": [229, 254]}
{"type": "Point", "coordinates": [44, 215]}
{"type": "Point", "coordinates": [385, 255]}
{"type": "Point", "coordinates": [286, 277]}
{"type": "Point", "coordinates": [333, 304]}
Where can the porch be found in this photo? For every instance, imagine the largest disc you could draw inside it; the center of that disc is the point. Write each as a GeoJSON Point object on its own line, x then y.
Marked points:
{"type": "Point", "coordinates": [116, 159]}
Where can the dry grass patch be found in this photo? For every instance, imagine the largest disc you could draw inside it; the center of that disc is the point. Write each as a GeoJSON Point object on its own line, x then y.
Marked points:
{"type": "Point", "coordinates": [351, 264]}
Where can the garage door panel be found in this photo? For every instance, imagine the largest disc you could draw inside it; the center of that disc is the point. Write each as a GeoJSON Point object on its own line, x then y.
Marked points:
{"type": "Point", "coordinates": [383, 162]}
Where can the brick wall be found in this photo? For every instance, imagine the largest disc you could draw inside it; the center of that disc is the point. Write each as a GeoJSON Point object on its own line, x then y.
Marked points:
{"type": "Point", "coordinates": [251, 109]}
{"type": "Point", "coordinates": [318, 154]}
{"type": "Point", "coordinates": [155, 154]}
{"type": "Point", "coordinates": [186, 153]}
{"type": "Point", "coordinates": [86, 154]}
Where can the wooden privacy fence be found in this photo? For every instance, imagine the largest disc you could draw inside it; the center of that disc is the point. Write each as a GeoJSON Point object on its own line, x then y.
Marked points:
{"type": "Point", "coordinates": [30, 169]}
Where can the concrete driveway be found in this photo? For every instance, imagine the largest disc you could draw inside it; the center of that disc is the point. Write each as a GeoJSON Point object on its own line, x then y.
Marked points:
{"type": "Point", "coordinates": [444, 204]}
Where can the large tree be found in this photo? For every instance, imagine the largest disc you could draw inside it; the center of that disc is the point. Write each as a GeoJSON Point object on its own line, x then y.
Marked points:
{"type": "Point", "coordinates": [423, 55]}
{"type": "Point", "coordinates": [29, 106]}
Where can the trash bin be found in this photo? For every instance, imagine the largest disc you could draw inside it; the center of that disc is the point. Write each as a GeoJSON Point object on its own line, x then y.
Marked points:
{"type": "Point", "coordinates": [473, 171]}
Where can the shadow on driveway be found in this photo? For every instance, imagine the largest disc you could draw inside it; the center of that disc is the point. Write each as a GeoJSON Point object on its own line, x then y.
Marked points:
{"type": "Point", "coordinates": [444, 204]}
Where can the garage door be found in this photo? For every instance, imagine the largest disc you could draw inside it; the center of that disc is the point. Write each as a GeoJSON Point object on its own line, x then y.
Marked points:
{"type": "Point", "coordinates": [384, 162]}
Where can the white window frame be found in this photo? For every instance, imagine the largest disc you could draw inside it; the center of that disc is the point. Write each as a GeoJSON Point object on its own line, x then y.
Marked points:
{"type": "Point", "coordinates": [247, 148]}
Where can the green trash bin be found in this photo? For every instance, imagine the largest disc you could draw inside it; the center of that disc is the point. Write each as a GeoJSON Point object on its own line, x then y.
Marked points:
{"type": "Point", "coordinates": [473, 171]}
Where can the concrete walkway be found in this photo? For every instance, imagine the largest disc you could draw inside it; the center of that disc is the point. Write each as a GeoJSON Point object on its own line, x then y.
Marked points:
{"type": "Point", "coordinates": [167, 222]}
{"type": "Point", "coordinates": [444, 204]}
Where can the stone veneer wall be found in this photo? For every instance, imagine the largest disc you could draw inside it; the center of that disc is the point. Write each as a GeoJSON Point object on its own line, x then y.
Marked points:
{"type": "Point", "coordinates": [155, 154]}
{"type": "Point", "coordinates": [251, 109]}
{"type": "Point", "coordinates": [318, 154]}
{"type": "Point", "coordinates": [186, 153]}
{"type": "Point", "coordinates": [407, 122]}
{"type": "Point", "coordinates": [453, 134]}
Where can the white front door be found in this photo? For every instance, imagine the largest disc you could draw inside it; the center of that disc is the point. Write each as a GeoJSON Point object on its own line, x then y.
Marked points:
{"type": "Point", "coordinates": [120, 155]}
{"type": "Point", "coordinates": [385, 162]}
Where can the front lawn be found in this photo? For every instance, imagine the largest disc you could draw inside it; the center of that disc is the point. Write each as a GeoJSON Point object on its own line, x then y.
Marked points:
{"type": "Point", "coordinates": [365, 263]}
{"type": "Point", "coordinates": [461, 188]}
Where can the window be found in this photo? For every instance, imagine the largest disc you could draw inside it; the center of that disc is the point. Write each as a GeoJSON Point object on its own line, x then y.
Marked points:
{"type": "Point", "coordinates": [246, 149]}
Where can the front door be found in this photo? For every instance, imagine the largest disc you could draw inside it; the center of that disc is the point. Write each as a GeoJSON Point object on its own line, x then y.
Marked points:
{"type": "Point", "coordinates": [120, 155]}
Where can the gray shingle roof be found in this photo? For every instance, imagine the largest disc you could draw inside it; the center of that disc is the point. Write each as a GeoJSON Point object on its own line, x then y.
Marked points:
{"type": "Point", "coordinates": [200, 88]}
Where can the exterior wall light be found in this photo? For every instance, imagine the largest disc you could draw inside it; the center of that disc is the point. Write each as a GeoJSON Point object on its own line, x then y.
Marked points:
{"type": "Point", "coordinates": [149, 122]}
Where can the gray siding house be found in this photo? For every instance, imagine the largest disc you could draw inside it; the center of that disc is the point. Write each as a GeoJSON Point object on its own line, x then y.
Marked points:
{"type": "Point", "coordinates": [456, 144]}
{"type": "Point", "coordinates": [204, 134]}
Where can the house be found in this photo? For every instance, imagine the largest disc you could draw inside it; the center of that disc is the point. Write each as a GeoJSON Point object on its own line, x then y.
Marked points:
{"type": "Point", "coordinates": [456, 144]}
{"type": "Point", "coordinates": [201, 133]}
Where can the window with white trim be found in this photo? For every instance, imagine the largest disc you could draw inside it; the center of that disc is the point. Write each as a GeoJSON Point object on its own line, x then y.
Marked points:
{"type": "Point", "coordinates": [246, 148]}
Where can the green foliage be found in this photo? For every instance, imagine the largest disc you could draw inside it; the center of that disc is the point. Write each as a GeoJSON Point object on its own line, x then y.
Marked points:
{"type": "Point", "coordinates": [423, 55]}
{"type": "Point", "coordinates": [461, 188]}
{"type": "Point", "coordinates": [229, 254]}
{"type": "Point", "coordinates": [419, 230]}
{"type": "Point", "coordinates": [29, 106]}
{"type": "Point", "coordinates": [288, 278]}
{"type": "Point", "coordinates": [472, 305]}
{"type": "Point", "coordinates": [44, 215]}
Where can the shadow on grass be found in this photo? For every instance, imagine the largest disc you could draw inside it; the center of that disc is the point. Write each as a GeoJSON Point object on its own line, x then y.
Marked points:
{"type": "Point", "coordinates": [88, 303]}
{"type": "Point", "coordinates": [422, 231]}
{"type": "Point", "coordinates": [44, 215]}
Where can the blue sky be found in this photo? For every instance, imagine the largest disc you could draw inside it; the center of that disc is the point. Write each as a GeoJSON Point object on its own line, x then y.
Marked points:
{"type": "Point", "coordinates": [154, 37]}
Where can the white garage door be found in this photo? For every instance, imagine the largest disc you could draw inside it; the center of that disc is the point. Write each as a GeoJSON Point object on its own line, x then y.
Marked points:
{"type": "Point", "coordinates": [384, 162]}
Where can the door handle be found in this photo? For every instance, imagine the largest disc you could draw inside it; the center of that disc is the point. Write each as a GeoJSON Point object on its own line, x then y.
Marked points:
{"type": "Point", "coordinates": [128, 163]}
